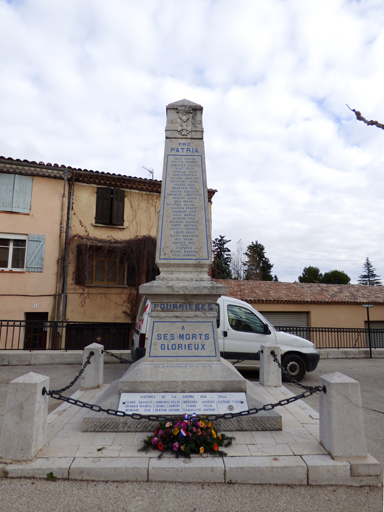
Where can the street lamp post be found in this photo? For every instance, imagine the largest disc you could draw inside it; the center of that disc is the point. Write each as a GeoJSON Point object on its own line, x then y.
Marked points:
{"type": "Point", "coordinates": [367, 306]}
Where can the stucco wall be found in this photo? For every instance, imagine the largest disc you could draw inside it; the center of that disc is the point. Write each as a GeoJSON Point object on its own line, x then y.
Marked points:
{"type": "Point", "coordinates": [33, 292]}
{"type": "Point", "coordinates": [106, 303]}
{"type": "Point", "coordinates": [329, 315]}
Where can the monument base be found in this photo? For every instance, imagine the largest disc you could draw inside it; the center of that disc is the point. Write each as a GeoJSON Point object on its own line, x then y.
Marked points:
{"type": "Point", "coordinates": [103, 422]}
{"type": "Point", "coordinates": [181, 377]}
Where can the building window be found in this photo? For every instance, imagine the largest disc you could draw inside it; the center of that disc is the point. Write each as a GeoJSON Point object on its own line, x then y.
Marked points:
{"type": "Point", "coordinates": [15, 193]}
{"type": "Point", "coordinates": [100, 265]}
{"type": "Point", "coordinates": [22, 252]}
{"type": "Point", "coordinates": [12, 253]}
{"type": "Point", "coordinates": [110, 206]}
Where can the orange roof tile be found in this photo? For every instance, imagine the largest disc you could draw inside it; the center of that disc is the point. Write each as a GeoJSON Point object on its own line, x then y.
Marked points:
{"type": "Point", "coordinates": [269, 292]}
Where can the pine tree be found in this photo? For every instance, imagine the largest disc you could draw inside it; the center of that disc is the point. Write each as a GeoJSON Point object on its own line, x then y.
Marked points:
{"type": "Point", "coordinates": [221, 268]}
{"type": "Point", "coordinates": [369, 276]}
{"type": "Point", "coordinates": [257, 267]}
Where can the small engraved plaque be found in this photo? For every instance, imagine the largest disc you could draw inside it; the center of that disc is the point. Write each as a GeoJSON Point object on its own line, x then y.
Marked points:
{"type": "Point", "coordinates": [176, 404]}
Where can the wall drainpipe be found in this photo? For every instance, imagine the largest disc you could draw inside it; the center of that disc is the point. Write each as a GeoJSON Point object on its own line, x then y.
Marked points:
{"type": "Point", "coordinates": [66, 257]}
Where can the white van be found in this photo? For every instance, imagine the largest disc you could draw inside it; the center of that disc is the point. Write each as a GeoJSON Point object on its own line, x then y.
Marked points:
{"type": "Point", "coordinates": [241, 331]}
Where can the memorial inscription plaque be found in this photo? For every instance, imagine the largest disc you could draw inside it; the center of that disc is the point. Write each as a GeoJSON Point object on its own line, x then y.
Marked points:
{"type": "Point", "coordinates": [182, 403]}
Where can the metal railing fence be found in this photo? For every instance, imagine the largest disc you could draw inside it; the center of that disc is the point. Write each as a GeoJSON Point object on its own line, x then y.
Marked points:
{"type": "Point", "coordinates": [338, 337]}
{"type": "Point", "coordinates": [41, 335]}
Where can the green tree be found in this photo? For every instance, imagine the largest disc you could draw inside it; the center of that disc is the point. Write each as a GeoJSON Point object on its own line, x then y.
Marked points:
{"type": "Point", "coordinates": [221, 268]}
{"type": "Point", "coordinates": [336, 277]}
{"type": "Point", "coordinates": [369, 276]}
{"type": "Point", "coordinates": [311, 275]}
{"type": "Point", "coordinates": [257, 266]}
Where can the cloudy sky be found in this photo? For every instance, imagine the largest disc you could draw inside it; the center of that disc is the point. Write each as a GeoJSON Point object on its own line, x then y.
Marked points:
{"type": "Point", "coordinates": [85, 84]}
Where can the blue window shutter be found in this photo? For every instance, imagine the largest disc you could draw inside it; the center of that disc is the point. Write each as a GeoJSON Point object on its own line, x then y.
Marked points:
{"type": "Point", "coordinates": [35, 256]}
{"type": "Point", "coordinates": [22, 193]}
{"type": "Point", "coordinates": [6, 191]}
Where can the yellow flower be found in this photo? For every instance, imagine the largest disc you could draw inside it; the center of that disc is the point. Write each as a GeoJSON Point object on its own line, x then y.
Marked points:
{"type": "Point", "coordinates": [202, 449]}
{"type": "Point", "coordinates": [175, 431]}
{"type": "Point", "coordinates": [209, 425]}
{"type": "Point", "coordinates": [202, 423]}
{"type": "Point", "coordinates": [213, 434]}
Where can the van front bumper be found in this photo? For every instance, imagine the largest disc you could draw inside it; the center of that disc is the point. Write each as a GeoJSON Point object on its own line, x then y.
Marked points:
{"type": "Point", "coordinates": [313, 361]}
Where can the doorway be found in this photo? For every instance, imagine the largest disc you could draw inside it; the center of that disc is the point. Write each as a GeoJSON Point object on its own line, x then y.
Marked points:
{"type": "Point", "coordinates": [35, 331]}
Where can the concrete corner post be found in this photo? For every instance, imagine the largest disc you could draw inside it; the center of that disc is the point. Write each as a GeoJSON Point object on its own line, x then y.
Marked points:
{"type": "Point", "coordinates": [270, 373]}
{"type": "Point", "coordinates": [93, 375]}
{"type": "Point", "coordinates": [341, 417]}
{"type": "Point", "coordinates": [24, 428]}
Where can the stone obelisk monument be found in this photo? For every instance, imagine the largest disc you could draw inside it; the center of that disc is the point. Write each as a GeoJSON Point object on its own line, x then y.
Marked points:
{"type": "Point", "coordinates": [182, 351]}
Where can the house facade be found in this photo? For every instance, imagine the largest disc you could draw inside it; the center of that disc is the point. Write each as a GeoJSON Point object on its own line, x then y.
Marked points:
{"type": "Point", "coordinates": [75, 245]}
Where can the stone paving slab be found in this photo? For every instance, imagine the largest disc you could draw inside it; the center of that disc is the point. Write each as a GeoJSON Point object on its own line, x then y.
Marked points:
{"type": "Point", "coordinates": [292, 456]}
{"type": "Point", "coordinates": [288, 470]}
{"type": "Point", "coordinates": [111, 468]}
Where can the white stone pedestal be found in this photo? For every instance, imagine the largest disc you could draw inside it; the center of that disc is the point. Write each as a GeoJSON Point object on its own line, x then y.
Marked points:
{"type": "Point", "coordinates": [24, 428]}
{"type": "Point", "coordinates": [270, 373]}
{"type": "Point", "coordinates": [341, 417]}
{"type": "Point", "coordinates": [93, 375]}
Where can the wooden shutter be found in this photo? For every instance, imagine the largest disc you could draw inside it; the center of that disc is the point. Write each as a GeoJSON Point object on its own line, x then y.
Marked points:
{"type": "Point", "coordinates": [22, 193]}
{"type": "Point", "coordinates": [118, 207]}
{"type": "Point", "coordinates": [6, 192]}
{"type": "Point", "coordinates": [103, 205]}
{"type": "Point", "coordinates": [35, 256]}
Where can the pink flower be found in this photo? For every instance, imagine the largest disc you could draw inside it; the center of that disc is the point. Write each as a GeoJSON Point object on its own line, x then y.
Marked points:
{"type": "Point", "coordinates": [198, 424]}
{"type": "Point", "coordinates": [160, 433]}
{"type": "Point", "coordinates": [203, 433]}
{"type": "Point", "coordinates": [175, 446]}
{"type": "Point", "coordinates": [154, 440]}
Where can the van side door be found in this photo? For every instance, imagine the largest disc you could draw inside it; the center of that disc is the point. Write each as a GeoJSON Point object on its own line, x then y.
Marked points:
{"type": "Point", "coordinates": [245, 331]}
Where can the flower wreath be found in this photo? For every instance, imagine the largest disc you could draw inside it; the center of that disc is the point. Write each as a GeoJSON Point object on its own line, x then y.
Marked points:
{"type": "Point", "coordinates": [191, 434]}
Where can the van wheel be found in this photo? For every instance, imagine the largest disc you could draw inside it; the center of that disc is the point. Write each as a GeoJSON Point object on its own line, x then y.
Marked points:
{"type": "Point", "coordinates": [295, 367]}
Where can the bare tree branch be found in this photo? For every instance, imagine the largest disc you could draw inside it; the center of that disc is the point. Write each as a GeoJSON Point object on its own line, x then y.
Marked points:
{"type": "Point", "coordinates": [359, 117]}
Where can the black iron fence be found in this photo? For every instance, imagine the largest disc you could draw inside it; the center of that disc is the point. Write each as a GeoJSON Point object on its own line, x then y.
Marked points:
{"type": "Point", "coordinates": [338, 337]}
{"type": "Point", "coordinates": [40, 335]}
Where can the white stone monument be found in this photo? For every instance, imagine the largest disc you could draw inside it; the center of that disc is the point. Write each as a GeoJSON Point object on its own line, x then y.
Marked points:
{"type": "Point", "coordinates": [182, 349]}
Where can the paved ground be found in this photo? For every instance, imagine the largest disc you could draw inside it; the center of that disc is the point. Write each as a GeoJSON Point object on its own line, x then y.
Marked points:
{"type": "Point", "coordinates": [68, 495]}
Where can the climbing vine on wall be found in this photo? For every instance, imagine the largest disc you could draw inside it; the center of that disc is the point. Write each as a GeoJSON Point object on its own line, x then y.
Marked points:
{"type": "Point", "coordinates": [113, 262]}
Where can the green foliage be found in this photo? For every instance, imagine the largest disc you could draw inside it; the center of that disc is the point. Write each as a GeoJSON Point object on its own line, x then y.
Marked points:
{"type": "Point", "coordinates": [311, 275]}
{"type": "Point", "coordinates": [51, 477]}
{"type": "Point", "coordinates": [257, 267]}
{"type": "Point", "coordinates": [336, 277]}
{"type": "Point", "coordinates": [221, 267]}
{"type": "Point", "coordinates": [369, 277]}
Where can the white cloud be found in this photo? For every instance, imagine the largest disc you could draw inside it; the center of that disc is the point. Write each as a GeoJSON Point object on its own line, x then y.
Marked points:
{"type": "Point", "coordinates": [86, 84]}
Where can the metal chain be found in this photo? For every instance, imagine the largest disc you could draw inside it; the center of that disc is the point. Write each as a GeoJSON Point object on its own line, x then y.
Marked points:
{"type": "Point", "coordinates": [291, 379]}
{"type": "Point", "coordinates": [121, 359]}
{"type": "Point", "coordinates": [86, 363]}
{"type": "Point", "coordinates": [248, 356]}
{"type": "Point", "coordinates": [210, 417]}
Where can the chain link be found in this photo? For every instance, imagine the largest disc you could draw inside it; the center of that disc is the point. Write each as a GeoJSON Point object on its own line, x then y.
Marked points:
{"type": "Point", "coordinates": [56, 394]}
{"type": "Point", "coordinates": [211, 417]}
{"type": "Point", "coordinates": [249, 356]}
{"type": "Point", "coordinates": [86, 363]}
{"type": "Point", "coordinates": [291, 379]}
{"type": "Point", "coordinates": [121, 359]}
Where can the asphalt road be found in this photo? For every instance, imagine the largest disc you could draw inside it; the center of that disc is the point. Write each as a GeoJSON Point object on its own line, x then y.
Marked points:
{"type": "Point", "coordinates": [44, 496]}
